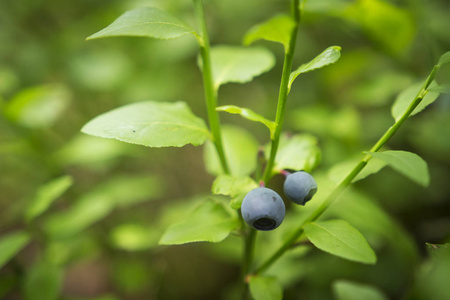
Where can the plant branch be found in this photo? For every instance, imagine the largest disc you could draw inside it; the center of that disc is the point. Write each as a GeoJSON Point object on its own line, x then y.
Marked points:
{"type": "Point", "coordinates": [283, 92]}
{"type": "Point", "coordinates": [208, 83]}
{"type": "Point", "coordinates": [350, 177]}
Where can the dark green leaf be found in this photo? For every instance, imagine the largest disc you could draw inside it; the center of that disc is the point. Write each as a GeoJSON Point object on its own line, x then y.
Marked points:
{"type": "Point", "coordinates": [327, 57]}
{"type": "Point", "coordinates": [11, 244]}
{"type": "Point", "coordinates": [277, 29]}
{"type": "Point", "coordinates": [210, 222]}
{"type": "Point", "coordinates": [145, 22]}
{"type": "Point", "coordinates": [409, 164]}
{"type": "Point", "coordinates": [265, 288]}
{"type": "Point", "coordinates": [152, 124]}
{"type": "Point", "coordinates": [339, 238]}
{"type": "Point", "coordinates": [43, 281]}
{"type": "Point", "coordinates": [46, 195]}
{"type": "Point", "coordinates": [239, 64]}
{"type": "Point", "coordinates": [249, 115]}
{"type": "Point", "coordinates": [405, 98]}
{"type": "Point", "coordinates": [346, 290]}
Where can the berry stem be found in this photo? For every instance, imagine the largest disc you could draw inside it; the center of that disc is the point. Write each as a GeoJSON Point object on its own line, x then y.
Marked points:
{"type": "Point", "coordinates": [208, 83]}
{"type": "Point", "coordinates": [283, 92]}
{"type": "Point", "coordinates": [350, 177]}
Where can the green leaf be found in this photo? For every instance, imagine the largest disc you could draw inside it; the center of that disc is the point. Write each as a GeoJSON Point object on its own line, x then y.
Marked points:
{"type": "Point", "coordinates": [239, 64]}
{"type": "Point", "coordinates": [134, 237]}
{"type": "Point", "coordinates": [99, 203]}
{"type": "Point", "coordinates": [346, 290]}
{"type": "Point", "coordinates": [46, 195]}
{"type": "Point", "coordinates": [43, 281]}
{"type": "Point", "coordinates": [145, 22]}
{"type": "Point", "coordinates": [338, 172]}
{"type": "Point", "coordinates": [441, 89]}
{"type": "Point", "coordinates": [152, 124]}
{"type": "Point", "coordinates": [210, 222]}
{"type": "Point", "coordinates": [409, 164]}
{"type": "Point", "coordinates": [249, 115]}
{"type": "Point", "coordinates": [39, 106]}
{"type": "Point", "coordinates": [241, 150]}
{"type": "Point", "coordinates": [11, 244]}
{"type": "Point", "coordinates": [233, 186]}
{"type": "Point", "coordinates": [277, 29]}
{"type": "Point", "coordinates": [444, 59]}
{"type": "Point", "coordinates": [339, 238]}
{"type": "Point", "coordinates": [405, 98]}
{"type": "Point", "coordinates": [298, 152]}
{"type": "Point", "coordinates": [327, 57]}
{"type": "Point", "coordinates": [265, 288]}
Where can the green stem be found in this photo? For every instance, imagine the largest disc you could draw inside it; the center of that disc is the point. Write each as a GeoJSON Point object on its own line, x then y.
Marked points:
{"type": "Point", "coordinates": [350, 177]}
{"type": "Point", "coordinates": [208, 83]}
{"type": "Point", "coordinates": [283, 92]}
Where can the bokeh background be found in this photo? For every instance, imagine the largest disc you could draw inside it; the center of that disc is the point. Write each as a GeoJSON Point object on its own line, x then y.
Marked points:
{"type": "Point", "coordinates": [52, 82]}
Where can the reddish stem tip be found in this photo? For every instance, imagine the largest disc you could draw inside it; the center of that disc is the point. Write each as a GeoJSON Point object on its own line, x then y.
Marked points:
{"type": "Point", "coordinates": [285, 173]}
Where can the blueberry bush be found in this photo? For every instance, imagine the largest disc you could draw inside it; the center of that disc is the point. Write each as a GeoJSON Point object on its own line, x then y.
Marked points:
{"type": "Point", "coordinates": [126, 173]}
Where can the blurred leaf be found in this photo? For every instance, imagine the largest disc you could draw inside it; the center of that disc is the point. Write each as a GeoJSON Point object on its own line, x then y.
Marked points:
{"type": "Point", "coordinates": [46, 195]}
{"type": "Point", "coordinates": [409, 164]}
{"type": "Point", "coordinates": [134, 237]}
{"type": "Point", "coordinates": [265, 288]}
{"type": "Point", "coordinates": [438, 249]}
{"type": "Point", "coordinates": [210, 222]}
{"type": "Point", "coordinates": [239, 64]}
{"type": "Point", "coordinates": [298, 152]}
{"type": "Point", "coordinates": [97, 204]}
{"type": "Point", "coordinates": [145, 22]}
{"type": "Point", "coordinates": [87, 150]}
{"type": "Point", "coordinates": [78, 247]}
{"type": "Point", "coordinates": [249, 115]}
{"type": "Point", "coordinates": [43, 281]}
{"type": "Point", "coordinates": [405, 98]}
{"type": "Point", "coordinates": [327, 57]}
{"type": "Point", "coordinates": [338, 172]}
{"type": "Point", "coordinates": [339, 238]}
{"type": "Point", "coordinates": [39, 106]}
{"type": "Point", "coordinates": [235, 187]}
{"type": "Point", "coordinates": [11, 244]}
{"type": "Point", "coordinates": [440, 89]}
{"type": "Point", "coordinates": [152, 124]}
{"type": "Point", "coordinates": [346, 290]}
{"type": "Point", "coordinates": [241, 150]}
{"type": "Point", "coordinates": [277, 29]}
{"type": "Point", "coordinates": [131, 275]}
{"type": "Point", "coordinates": [444, 59]}
{"type": "Point", "coordinates": [390, 26]}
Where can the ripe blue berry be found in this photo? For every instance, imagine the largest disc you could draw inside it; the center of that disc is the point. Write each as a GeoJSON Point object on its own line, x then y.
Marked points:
{"type": "Point", "coordinates": [300, 187]}
{"type": "Point", "coordinates": [263, 209]}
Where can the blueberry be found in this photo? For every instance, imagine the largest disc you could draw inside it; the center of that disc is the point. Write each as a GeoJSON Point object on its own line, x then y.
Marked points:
{"type": "Point", "coordinates": [300, 187]}
{"type": "Point", "coordinates": [263, 209]}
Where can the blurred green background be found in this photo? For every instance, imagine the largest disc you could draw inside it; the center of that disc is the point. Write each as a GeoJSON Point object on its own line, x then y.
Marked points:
{"type": "Point", "coordinates": [99, 239]}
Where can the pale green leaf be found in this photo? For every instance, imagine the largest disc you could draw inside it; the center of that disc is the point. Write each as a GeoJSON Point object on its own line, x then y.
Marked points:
{"type": "Point", "coordinates": [210, 222]}
{"type": "Point", "coordinates": [406, 163]}
{"type": "Point", "coordinates": [249, 115]}
{"type": "Point", "coordinates": [39, 106]}
{"type": "Point", "coordinates": [134, 237]}
{"type": "Point", "coordinates": [444, 59]}
{"type": "Point", "coordinates": [43, 281]}
{"type": "Point", "coordinates": [265, 288]}
{"type": "Point", "coordinates": [11, 244]}
{"type": "Point", "coordinates": [46, 195]}
{"type": "Point", "coordinates": [239, 64]}
{"type": "Point", "coordinates": [297, 152]}
{"type": "Point", "coordinates": [241, 150]}
{"type": "Point", "coordinates": [405, 98]}
{"type": "Point", "coordinates": [338, 172]}
{"type": "Point", "coordinates": [234, 186]}
{"type": "Point", "coordinates": [441, 89]}
{"type": "Point", "coordinates": [347, 290]}
{"type": "Point", "coordinates": [277, 29]}
{"type": "Point", "coordinates": [145, 22]}
{"type": "Point", "coordinates": [339, 238]}
{"type": "Point", "coordinates": [327, 57]}
{"type": "Point", "coordinates": [152, 124]}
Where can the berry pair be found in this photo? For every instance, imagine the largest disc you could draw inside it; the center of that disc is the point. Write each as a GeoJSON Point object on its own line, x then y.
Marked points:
{"type": "Point", "coordinates": [263, 209]}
